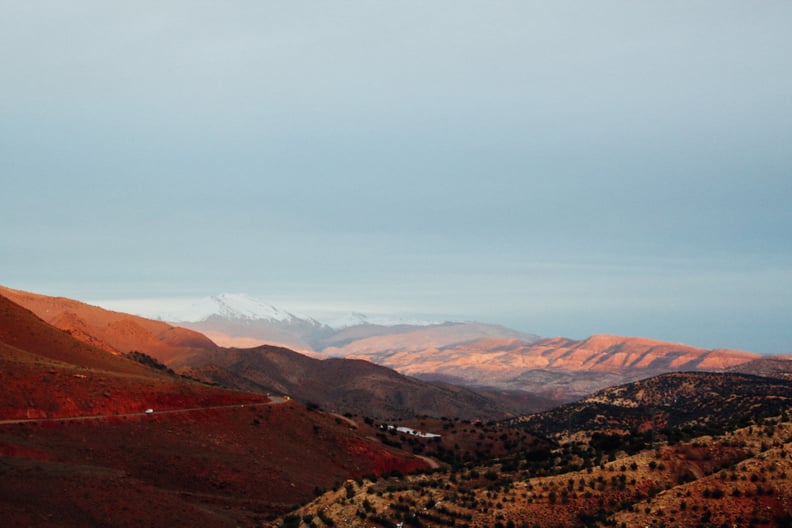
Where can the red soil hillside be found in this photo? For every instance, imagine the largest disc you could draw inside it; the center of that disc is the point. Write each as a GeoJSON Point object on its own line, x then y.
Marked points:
{"type": "Point", "coordinates": [45, 372]}
{"type": "Point", "coordinates": [216, 468]}
{"type": "Point", "coordinates": [22, 330]}
{"type": "Point", "coordinates": [206, 457]}
{"type": "Point", "coordinates": [113, 331]}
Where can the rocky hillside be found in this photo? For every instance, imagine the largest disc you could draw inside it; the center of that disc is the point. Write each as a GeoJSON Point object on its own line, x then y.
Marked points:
{"type": "Point", "coordinates": [689, 402]}
{"type": "Point", "coordinates": [738, 479]}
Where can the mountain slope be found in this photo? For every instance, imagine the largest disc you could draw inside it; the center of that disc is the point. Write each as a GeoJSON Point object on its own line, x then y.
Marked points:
{"type": "Point", "coordinates": [345, 385]}
{"type": "Point", "coordinates": [113, 331]}
{"type": "Point", "coordinates": [76, 448]}
{"type": "Point", "coordinates": [47, 373]}
{"type": "Point", "coordinates": [375, 340]}
{"type": "Point", "coordinates": [559, 367]}
{"type": "Point", "coordinates": [21, 331]}
{"type": "Point", "coordinates": [769, 367]}
{"type": "Point", "coordinates": [339, 384]}
{"type": "Point", "coordinates": [692, 400]}
{"type": "Point", "coordinates": [472, 354]}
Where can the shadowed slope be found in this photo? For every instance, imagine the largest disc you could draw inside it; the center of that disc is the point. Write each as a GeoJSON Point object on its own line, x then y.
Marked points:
{"type": "Point", "coordinates": [349, 385]}
{"type": "Point", "coordinates": [21, 330]}
{"type": "Point", "coordinates": [702, 401]}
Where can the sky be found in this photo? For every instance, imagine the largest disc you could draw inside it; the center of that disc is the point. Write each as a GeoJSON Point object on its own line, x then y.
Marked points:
{"type": "Point", "coordinates": [562, 168]}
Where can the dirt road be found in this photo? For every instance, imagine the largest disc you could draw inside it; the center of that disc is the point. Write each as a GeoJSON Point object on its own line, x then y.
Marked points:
{"type": "Point", "coordinates": [274, 400]}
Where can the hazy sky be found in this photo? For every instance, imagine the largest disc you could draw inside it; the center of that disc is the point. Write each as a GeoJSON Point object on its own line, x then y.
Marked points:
{"type": "Point", "coordinates": [563, 168]}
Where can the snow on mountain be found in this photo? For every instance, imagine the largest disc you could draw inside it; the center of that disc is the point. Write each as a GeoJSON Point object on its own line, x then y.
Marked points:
{"type": "Point", "coordinates": [234, 306]}
{"type": "Point", "coordinates": [240, 320]}
{"type": "Point", "coordinates": [352, 319]}
{"type": "Point", "coordinates": [241, 307]}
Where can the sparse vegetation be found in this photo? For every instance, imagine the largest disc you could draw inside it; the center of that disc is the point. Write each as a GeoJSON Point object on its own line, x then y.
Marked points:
{"type": "Point", "coordinates": [495, 475]}
{"type": "Point", "coordinates": [145, 359]}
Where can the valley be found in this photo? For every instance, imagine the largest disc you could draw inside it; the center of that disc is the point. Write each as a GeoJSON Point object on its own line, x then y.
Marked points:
{"type": "Point", "coordinates": [114, 420]}
{"type": "Point", "coordinates": [513, 264]}
{"type": "Point", "coordinates": [471, 354]}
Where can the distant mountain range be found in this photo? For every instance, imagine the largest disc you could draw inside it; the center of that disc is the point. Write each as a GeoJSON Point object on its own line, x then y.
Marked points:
{"type": "Point", "coordinates": [475, 355]}
{"type": "Point", "coordinates": [241, 320]}
{"type": "Point", "coordinates": [89, 430]}
{"type": "Point", "coordinates": [466, 353]}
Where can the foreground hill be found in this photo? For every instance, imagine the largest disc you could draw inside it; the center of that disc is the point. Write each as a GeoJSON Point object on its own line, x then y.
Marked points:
{"type": "Point", "coordinates": [338, 384]}
{"type": "Point", "coordinates": [718, 455]}
{"type": "Point", "coordinates": [738, 479]}
{"type": "Point", "coordinates": [215, 467]}
{"type": "Point", "coordinates": [77, 448]}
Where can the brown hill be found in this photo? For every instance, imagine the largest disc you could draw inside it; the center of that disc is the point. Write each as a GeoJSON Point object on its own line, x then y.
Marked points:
{"type": "Point", "coordinates": [222, 467]}
{"type": "Point", "coordinates": [345, 385]}
{"type": "Point", "coordinates": [769, 367]}
{"type": "Point", "coordinates": [21, 330]}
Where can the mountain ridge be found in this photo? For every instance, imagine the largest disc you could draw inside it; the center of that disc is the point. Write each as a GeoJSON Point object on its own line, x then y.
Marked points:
{"type": "Point", "coordinates": [269, 368]}
{"type": "Point", "coordinates": [483, 355]}
{"type": "Point", "coordinates": [557, 367]}
{"type": "Point", "coordinates": [472, 354]}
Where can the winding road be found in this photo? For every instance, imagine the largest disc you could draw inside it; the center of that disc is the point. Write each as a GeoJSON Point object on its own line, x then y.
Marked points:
{"type": "Point", "coordinates": [274, 400]}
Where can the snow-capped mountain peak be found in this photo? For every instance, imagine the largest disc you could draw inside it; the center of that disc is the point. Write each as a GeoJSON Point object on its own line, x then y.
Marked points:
{"type": "Point", "coordinates": [234, 306]}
